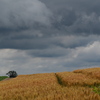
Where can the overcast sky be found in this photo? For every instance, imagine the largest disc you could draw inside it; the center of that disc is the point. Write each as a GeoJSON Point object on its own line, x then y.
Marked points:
{"type": "Point", "coordinates": [41, 36]}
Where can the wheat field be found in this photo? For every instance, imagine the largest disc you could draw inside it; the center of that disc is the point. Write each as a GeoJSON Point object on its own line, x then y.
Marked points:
{"type": "Point", "coordinates": [75, 85]}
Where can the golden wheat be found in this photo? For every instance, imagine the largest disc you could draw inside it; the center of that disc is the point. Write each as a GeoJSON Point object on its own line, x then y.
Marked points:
{"type": "Point", "coordinates": [92, 72]}
{"type": "Point", "coordinates": [70, 78]}
{"type": "Point", "coordinates": [46, 86]}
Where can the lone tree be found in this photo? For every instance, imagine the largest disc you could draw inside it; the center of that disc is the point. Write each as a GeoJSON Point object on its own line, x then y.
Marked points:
{"type": "Point", "coordinates": [12, 74]}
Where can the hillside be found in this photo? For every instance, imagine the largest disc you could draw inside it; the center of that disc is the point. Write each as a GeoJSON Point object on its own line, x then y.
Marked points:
{"type": "Point", "coordinates": [82, 84]}
{"type": "Point", "coordinates": [3, 77]}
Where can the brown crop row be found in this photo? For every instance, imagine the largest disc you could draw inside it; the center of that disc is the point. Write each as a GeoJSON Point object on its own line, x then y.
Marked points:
{"type": "Point", "coordinates": [92, 72]}
{"type": "Point", "coordinates": [77, 79]}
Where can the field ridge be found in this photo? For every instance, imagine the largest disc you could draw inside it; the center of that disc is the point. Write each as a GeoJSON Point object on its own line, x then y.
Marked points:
{"type": "Point", "coordinates": [59, 79]}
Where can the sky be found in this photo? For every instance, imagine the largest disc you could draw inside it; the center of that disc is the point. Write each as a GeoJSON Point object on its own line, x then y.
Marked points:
{"type": "Point", "coordinates": [42, 36]}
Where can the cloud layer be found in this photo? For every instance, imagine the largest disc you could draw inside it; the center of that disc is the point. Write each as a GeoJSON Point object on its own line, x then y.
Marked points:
{"type": "Point", "coordinates": [23, 14]}
{"type": "Point", "coordinates": [24, 62]}
{"type": "Point", "coordinates": [49, 36]}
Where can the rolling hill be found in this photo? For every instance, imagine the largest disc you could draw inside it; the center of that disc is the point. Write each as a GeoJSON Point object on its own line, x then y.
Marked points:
{"type": "Point", "coordinates": [81, 84]}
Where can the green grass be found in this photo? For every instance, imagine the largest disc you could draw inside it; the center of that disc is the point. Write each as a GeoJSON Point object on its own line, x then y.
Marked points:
{"type": "Point", "coordinates": [96, 90]}
{"type": "Point", "coordinates": [3, 77]}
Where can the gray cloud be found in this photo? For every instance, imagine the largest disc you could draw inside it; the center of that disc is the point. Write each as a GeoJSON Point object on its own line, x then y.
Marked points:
{"type": "Point", "coordinates": [46, 36]}
{"type": "Point", "coordinates": [76, 17]}
{"type": "Point", "coordinates": [50, 17]}
{"type": "Point", "coordinates": [50, 52]}
{"type": "Point", "coordinates": [24, 63]}
{"type": "Point", "coordinates": [61, 46]}
{"type": "Point", "coordinates": [20, 14]}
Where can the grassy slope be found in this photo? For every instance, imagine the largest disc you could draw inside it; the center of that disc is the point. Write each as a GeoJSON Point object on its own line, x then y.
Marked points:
{"type": "Point", "coordinates": [80, 84]}
{"type": "Point", "coordinates": [3, 77]}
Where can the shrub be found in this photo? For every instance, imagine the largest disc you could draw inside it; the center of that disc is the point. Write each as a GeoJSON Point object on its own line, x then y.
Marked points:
{"type": "Point", "coordinates": [12, 74]}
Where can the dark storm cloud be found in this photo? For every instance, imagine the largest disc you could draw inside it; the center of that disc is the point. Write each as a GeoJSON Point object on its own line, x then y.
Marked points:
{"type": "Point", "coordinates": [78, 5]}
{"type": "Point", "coordinates": [46, 24]}
{"type": "Point", "coordinates": [75, 16]}
{"type": "Point", "coordinates": [21, 22]}
{"type": "Point", "coordinates": [36, 42]}
{"type": "Point", "coordinates": [58, 46]}
{"type": "Point", "coordinates": [50, 52]}
{"type": "Point", "coordinates": [50, 17]}
{"type": "Point", "coordinates": [49, 35]}
{"type": "Point", "coordinates": [18, 14]}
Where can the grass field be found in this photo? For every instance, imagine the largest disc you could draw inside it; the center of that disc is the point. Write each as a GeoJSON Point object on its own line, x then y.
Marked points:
{"type": "Point", "coordinates": [80, 84]}
{"type": "Point", "coordinates": [3, 77]}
